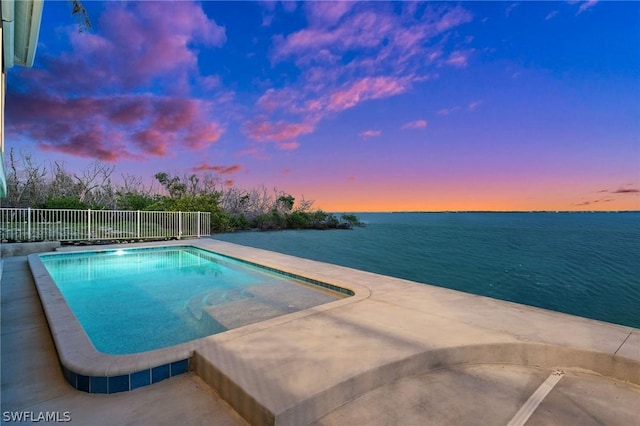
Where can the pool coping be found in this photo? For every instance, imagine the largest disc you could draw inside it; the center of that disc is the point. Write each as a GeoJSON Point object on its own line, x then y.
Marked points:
{"type": "Point", "coordinates": [90, 370]}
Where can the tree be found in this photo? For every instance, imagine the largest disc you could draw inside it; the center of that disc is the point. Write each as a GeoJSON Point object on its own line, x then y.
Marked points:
{"type": "Point", "coordinates": [78, 10]}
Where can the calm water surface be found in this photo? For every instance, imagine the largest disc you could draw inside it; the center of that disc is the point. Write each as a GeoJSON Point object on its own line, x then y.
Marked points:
{"type": "Point", "coordinates": [585, 264]}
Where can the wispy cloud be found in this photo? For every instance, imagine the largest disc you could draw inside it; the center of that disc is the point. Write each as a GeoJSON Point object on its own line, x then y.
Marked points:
{"type": "Point", "coordinates": [551, 14]}
{"type": "Point", "coordinates": [326, 13]}
{"type": "Point", "coordinates": [417, 124]}
{"type": "Point", "coordinates": [223, 170]}
{"type": "Point", "coordinates": [353, 52]}
{"type": "Point", "coordinates": [584, 4]}
{"type": "Point", "coordinates": [448, 111]}
{"type": "Point", "coordinates": [370, 134]}
{"type": "Point", "coordinates": [510, 8]}
{"type": "Point", "coordinates": [459, 58]}
{"type": "Point", "coordinates": [288, 146]}
{"type": "Point", "coordinates": [473, 105]}
{"type": "Point", "coordinates": [600, 200]}
{"type": "Point", "coordinates": [260, 129]}
{"type": "Point", "coordinates": [366, 88]}
{"type": "Point", "coordinates": [626, 191]}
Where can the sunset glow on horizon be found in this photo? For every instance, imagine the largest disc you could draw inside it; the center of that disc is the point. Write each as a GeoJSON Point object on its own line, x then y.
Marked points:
{"type": "Point", "coordinates": [359, 106]}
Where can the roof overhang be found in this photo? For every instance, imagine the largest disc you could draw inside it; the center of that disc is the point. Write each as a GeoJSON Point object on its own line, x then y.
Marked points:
{"type": "Point", "coordinates": [21, 27]}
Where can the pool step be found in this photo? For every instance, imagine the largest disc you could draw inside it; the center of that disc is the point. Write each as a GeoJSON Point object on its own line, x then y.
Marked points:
{"type": "Point", "coordinates": [196, 305]}
{"type": "Point", "coordinates": [263, 302]}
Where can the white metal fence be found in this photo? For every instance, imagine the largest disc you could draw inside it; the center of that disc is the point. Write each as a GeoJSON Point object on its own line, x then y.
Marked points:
{"type": "Point", "coordinates": [79, 225]}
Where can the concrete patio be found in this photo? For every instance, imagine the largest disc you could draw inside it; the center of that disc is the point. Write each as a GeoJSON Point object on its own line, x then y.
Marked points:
{"type": "Point", "coordinates": [397, 353]}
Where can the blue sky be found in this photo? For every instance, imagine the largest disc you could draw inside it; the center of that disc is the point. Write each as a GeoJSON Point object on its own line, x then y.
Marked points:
{"type": "Point", "coordinates": [361, 106]}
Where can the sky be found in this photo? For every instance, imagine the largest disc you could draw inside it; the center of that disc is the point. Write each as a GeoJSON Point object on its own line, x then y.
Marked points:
{"type": "Point", "coordinates": [359, 106]}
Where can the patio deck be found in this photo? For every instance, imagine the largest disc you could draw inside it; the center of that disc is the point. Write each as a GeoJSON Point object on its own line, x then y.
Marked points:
{"type": "Point", "coordinates": [400, 353]}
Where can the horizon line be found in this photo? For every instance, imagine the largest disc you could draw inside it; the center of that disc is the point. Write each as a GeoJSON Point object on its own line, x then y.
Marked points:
{"type": "Point", "coordinates": [484, 211]}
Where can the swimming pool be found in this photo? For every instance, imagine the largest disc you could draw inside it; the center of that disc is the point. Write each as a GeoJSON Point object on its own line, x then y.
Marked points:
{"type": "Point", "coordinates": [127, 317]}
{"type": "Point", "coordinates": [137, 300]}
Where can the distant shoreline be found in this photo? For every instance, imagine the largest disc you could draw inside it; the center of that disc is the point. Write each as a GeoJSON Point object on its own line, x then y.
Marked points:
{"type": "Point", "coordinates": [486, 211]}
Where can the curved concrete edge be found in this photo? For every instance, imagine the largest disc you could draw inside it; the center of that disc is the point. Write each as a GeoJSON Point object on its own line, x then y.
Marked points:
{"type": "Point", "coordinates": [521, 354]}
{"type": "Point", "coordinates": [77, 354]}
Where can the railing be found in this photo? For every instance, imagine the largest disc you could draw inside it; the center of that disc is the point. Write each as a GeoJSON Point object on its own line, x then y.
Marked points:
{"type": "Point", "coordinates": [80, 225]}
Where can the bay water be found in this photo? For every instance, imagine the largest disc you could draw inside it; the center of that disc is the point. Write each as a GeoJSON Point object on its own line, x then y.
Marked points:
{"type": "Point", "coordinates": [585, 264]}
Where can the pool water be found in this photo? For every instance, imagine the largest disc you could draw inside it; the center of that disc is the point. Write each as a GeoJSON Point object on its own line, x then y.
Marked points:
{"type": "Point", "coordinates": [136, 300]}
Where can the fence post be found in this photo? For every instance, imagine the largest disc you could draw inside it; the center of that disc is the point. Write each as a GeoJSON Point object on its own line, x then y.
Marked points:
{"type": "Point", "coordinates": [29, 224]}
{"type": "Point", "coordinates": [138, 221]}
{"type": "Point", "coordinates": [89, 224]}
{"type": "Point", "coordinates": [199, 224]}
{"type": "Point", "coordinates": [179, 225]}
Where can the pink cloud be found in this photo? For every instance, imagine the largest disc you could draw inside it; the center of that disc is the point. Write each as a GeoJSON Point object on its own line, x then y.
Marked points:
{"type": "Point", "coordinates": [263, 130]}
{"type": "Point", "coordinates": [223, 170]}
{"type": "Point", "coordinates": [152, 141]}
{"type": "Point", "coordinates": [138, 125]}
{"type": "Point", "coordinates": [447, 111]}
{"type": "Point", "coordinates": [418, 124]}
{"type": "Point", "coordinates": [370, 133]}
{"type": "Point", "coordinates": [150, 40]}
{"type": "Point", "coordinates": [458, 58]}
{"type": "Point", "coordinates": [273, 99]}
{"type": "Point", "coordinates": [335, 28]}
{"type": "Point", "coordinates": [365, 29]}
{"type": "Point", "coordinates": [94, 142]}
{"type": "Point", "coordinates": [451, 19]}
{"type": "Point", "coordinates": [366, 88]}
{"type": "Point", "coordinates": [86, 93]}
{"type": "Point", "coordinates": [473, 105]}
{"type": "Point", "coordinates": [211, 82]}
{"type": "Point", "coordinates": [328, 13]}
{"type": "Point", "coordinates": [353, 52]}
{"type": "Point", "coordinates": [288, 146]}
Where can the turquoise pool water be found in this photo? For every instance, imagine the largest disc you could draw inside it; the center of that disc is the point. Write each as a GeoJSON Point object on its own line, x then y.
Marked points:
{"type": "Point", "coordinates": [136, 300]}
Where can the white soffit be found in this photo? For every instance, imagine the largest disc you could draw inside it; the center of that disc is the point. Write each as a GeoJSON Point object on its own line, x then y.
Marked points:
{"type": "Point", "coordinates": [21, 27]}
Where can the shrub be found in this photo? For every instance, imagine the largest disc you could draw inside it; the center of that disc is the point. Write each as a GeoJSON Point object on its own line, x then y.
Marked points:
{"type": "Point", "coordinates": [64, 202]}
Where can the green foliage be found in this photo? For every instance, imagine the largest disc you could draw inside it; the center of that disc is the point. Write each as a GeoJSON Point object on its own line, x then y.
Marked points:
{"type": "Point", "coordinates": [64, 202]}
{"type": "Point", "coordinates": [231, 209]}
{"type": "Point", "coordinates": [299, 220]}
{"type": "Point", "coordinates": [221, 222]}
{"type": "Point", "coordinates": [271, 221]}
{"type": "Point", "coordinates": [286, 201]}
{"type": "Point", "coordinates": [239, 223]}
{"type": "Point", "coordinates": [351, 219]}
{"type": "Point", "coordinates": [134, 201]}
{"type": "Point", "coordinates": [174, 187]}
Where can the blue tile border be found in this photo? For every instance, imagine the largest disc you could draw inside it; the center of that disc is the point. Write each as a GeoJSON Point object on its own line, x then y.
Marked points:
{"type": "Point", "coordinates": [98, 384]}
{"type": "Point", "coordinates": [124, 382]}
{"type": "Point", "coordinates": [160, 373]}
{"type": "Point", "coordinates": [139, 379]}
{"type": "Point", "coordinates": [179, 367]}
